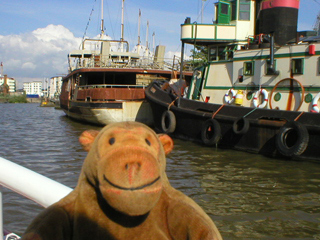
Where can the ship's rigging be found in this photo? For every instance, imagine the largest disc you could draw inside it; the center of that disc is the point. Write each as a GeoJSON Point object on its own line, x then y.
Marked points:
{"type": "Point", "coordinates": [316, 26]}
{"type": "Point", "coordinates": [145, 49]}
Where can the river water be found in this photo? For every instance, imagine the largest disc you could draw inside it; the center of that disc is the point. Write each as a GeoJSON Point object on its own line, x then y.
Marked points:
{"type": "Point", "coordinates": [248, 196]}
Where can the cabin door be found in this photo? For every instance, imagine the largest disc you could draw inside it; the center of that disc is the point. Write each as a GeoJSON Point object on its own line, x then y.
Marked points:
{"type": "Point", "coordinates": [196, 83]}
{"type": "Point", "coordinates": [224, 12]}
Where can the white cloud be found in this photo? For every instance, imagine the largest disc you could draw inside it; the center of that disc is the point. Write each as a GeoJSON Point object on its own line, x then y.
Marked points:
{"type": "Point", "coordinates": [170, 54]}
{"type": "Point", "coordinates": [41, 54]}
{"type": "Point", "coordinates": [28, 65]}
{"type": "Point", "coordinates": [52, 33]}
{"type": "Point", "coordinates": [38, 54]}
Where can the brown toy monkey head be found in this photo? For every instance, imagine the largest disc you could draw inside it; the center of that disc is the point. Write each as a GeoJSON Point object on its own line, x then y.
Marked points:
{"type": "Point", "coordinates": [126, 162]}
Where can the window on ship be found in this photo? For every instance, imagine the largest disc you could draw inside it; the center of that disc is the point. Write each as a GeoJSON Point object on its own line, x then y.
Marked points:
{"type": "Point", "coordinates": [248, 68]}
{"type": "Point", "coordinates": [106, 78]}
{"type": "Point", "coordinates": [297, 66]}
{"type": "Point", "coordinates": [213, 54]}
{"type": "Point", "coordinates": [234, 10]}
{"type": "Point", "coordinates": [269, 71]}
{"type": "Point", "coordinates": [221, 53]}
{"type": "Point", "coordinates": [244, 10]}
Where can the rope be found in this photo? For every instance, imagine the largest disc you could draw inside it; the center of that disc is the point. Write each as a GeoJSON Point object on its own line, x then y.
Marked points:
{"type": "Point", "coordinates": [297, 118]}
{"type": "Point", "coordinates": [250, 112]}
{"type": "Point", "coordinates": [216, 112]}
{"type": "Point", "coordinates": [172, 103]}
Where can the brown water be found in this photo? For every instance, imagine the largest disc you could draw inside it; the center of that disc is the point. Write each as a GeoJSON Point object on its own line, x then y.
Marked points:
{"type": "Point", "coordinates": [248, 196]}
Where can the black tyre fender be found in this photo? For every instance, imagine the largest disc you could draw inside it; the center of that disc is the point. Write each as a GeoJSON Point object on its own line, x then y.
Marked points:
{"type": "Point", "coordinates": [241, 126]}
{"type": "Point", "coordinates": [210, 132]}
{"type": "Point", "coordinates": [168, 122]}
{"type": "Point", "coordinates": [292, 139]}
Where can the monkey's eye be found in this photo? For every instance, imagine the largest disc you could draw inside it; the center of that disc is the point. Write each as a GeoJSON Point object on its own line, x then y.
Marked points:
{"type": "Point", "coordinates": [112, 141]}
{"type": "Point", "coordinates": [148, 142]}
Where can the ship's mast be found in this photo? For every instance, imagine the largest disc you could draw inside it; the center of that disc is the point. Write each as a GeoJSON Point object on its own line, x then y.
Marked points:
{"type": "Point", "coordinates": [153, 41]}
{"type": "Point", "coordinates": [316, 26]}
{"type": "Point", "coordinates": [102, 21]}
{"type": "Point", "coordinates": [147, 43]}
{"type": "Point", "coordinates": [139, 40]}
{"type": "Point", "coordinates": [122, 21]}
{"type": "Point", "coordinates": [202, 10]}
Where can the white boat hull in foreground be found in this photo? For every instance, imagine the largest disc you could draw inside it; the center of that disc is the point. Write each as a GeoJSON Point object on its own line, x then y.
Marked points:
{"type": "Point", "coordinates": [29, 184]}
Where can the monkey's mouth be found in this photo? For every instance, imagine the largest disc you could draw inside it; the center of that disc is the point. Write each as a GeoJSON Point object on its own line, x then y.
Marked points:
{"type": "Point", "coordinates": [133, 188]}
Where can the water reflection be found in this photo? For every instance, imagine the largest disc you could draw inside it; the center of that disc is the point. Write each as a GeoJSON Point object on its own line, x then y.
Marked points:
{"type": "Point", "coordinates": [248, 196]}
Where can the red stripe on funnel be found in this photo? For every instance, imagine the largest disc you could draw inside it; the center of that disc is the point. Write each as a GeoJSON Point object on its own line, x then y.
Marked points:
{"type": "Point", "coordinates": [280, 3]}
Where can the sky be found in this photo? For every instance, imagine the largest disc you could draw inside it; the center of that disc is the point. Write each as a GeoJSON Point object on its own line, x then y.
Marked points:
{"type": "Point", "coordinates": [37, 35]}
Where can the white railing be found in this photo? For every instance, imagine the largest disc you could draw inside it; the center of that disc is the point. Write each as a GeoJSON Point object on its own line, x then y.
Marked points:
{"type": "Point", "coordinates": [143, 62]}
{"type": "Point", "coordinates": [29, 184]}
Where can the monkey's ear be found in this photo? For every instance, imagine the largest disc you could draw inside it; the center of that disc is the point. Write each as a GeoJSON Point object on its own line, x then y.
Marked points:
{"type": "Point", "coordinates": [167, 143]}
{"type": "Point", "coordinates": [87, 138]}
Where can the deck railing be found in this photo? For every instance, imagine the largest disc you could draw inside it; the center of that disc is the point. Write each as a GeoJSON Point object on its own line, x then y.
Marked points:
{"type": "Point", "coordinates": [100, 61]}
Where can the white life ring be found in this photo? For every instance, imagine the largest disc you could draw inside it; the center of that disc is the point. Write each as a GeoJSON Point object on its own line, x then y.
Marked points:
{"type": "Point", "coordinates": [315, 103]}
{"type": "Point", "coordinates": [229, 99]}
{"type": "Point", "coordinates": [256, 97]}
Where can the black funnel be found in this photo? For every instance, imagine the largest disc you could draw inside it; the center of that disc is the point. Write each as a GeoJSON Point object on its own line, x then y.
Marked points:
{"type": "Point", "coordinates": [280, 18]}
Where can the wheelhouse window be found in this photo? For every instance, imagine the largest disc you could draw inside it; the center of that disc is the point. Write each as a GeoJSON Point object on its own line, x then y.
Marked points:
{"type": "Point", "coordinates": [217, 54]}
{"type": "Point", "coordinates": [269, 71]}
{"type": "Point", "coordinates": [221, 53]}
{"type": "Point", "coordinates": [224, 8]}
{"type": "Point", "coordinates": [248, 68]}
{"type": "Point", "coordinates": [244, 10]}
{"type": "Point", "coordinates": [234, 10]}
{"type": "Point", "coordinates": [297, 66]}
{"type": "Point", "coordinates": [213, 54]}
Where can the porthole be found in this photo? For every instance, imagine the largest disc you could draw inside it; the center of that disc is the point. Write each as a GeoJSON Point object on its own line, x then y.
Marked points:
{"type": "Point", "coordinates": [249, 95]}
{"type": "Point", "coordinates": [277, 97]}
{"type": "Point", "coordinates": [308, 98]}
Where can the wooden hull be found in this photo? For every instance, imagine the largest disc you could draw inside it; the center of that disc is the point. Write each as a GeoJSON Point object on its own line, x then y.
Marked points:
{"type": "Point", "coordinates": [269, 132]}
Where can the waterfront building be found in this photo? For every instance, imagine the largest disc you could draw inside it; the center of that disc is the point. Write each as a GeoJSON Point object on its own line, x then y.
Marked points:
{"type": "Point", "coordinates": [33, 88]}
{"type": "Point", "coordinates": [11, 82]}
{"type": "Point", "coordinates": [54, 88]}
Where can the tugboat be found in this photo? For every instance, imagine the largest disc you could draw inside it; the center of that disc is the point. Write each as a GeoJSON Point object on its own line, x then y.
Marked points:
{"type": "Point", "coordinates": [106, 82]}
{"type": "Point", "coordinates": [258, 90]}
